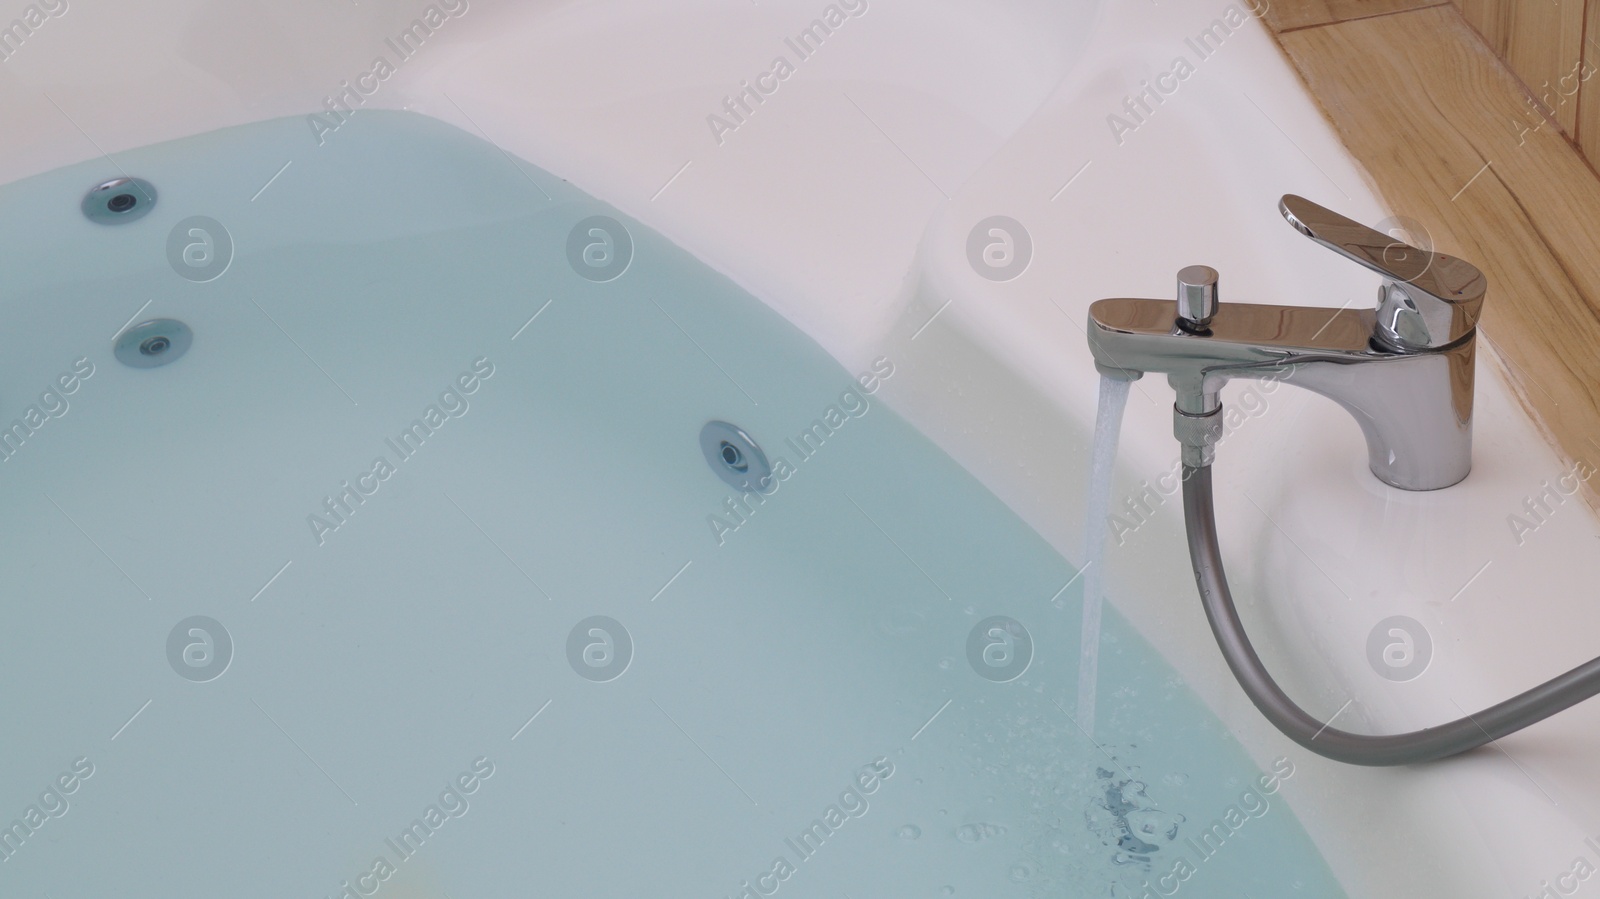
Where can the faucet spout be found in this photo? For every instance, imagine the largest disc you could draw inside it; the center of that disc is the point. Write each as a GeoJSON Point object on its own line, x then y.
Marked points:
{"type": "Point", "coordinates": [1403, 370]}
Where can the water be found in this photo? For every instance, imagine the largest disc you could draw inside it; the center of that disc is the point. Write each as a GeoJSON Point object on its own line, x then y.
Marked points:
{"type": "Point", "coordinates": [1107, 427]}
{"type": "Point", "coordinates": [831, 660]}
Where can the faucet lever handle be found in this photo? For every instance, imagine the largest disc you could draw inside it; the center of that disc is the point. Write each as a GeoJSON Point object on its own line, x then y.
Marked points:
{"type": "Point", "coordinates": [1428, 300]}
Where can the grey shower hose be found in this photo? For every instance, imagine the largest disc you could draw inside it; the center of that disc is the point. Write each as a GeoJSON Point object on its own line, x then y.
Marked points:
{"type": "Point", "coordinates": [1424, 745]}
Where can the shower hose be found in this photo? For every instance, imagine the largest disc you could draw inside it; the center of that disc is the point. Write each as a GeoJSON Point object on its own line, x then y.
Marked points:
{"type": "Point", "coordinates": [1424, 745]}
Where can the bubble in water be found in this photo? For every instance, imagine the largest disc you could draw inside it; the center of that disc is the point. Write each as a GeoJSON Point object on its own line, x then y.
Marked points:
{"type": "Point", "coordinates": [902, 620]}
{"type": "Point", "coordinates": [1148, 823]}
{"type": "Point", "coordinates": [1020, 872]}
{"type": "Point", "coordinates": [972, 833]}
{"type": "Point", "coordinates": [909, 832]}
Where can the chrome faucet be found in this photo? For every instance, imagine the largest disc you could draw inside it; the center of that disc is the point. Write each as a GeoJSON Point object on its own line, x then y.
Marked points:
{"type": "Point", "coordinates": [1404, 369]}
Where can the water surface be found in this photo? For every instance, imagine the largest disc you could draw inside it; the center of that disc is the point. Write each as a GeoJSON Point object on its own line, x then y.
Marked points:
{"type": "Point", "coordinates": [863, 685]}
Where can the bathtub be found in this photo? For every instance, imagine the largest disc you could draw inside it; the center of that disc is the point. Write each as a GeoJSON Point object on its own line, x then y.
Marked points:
{"type": "Point", "coordinates": [254, 606]}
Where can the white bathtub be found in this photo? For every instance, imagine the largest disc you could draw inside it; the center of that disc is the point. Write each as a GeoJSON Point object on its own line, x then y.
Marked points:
{"type": "Point", "coordinates": [846, 200]}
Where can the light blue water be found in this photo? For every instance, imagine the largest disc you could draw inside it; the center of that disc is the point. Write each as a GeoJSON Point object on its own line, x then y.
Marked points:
{"type": "Point", "coordinates": [837, 640]}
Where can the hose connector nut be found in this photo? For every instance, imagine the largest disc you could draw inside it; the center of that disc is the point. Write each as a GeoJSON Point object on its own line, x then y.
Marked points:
{"type": "Point", "coordinates": [1198, 435]}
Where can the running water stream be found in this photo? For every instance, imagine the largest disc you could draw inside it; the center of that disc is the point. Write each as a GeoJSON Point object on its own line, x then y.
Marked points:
{"type": "Point", "coordinates": [1107, 426]}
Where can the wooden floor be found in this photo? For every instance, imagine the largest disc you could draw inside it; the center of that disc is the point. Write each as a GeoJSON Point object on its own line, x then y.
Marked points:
{"type": "Point", "coordinates": [1448, 137]}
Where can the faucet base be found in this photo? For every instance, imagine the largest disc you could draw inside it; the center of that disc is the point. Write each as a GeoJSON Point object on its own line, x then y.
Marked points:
{"type": "Point", "coordinates": [1415, 407]}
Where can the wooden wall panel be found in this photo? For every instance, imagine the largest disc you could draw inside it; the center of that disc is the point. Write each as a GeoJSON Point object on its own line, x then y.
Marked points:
{"type": "Point", "coordinates": [1589, 94]}
{"type": "Point", "coordinates": [1491, 18]}
{"type": "Point", "coordinates": [1545, 47]}
{"type": "Point", "coordinates": [1283, 15]}
{"type": "Point", "coordinates": [1423, 104]}
{"type": "Point", "coordinates": [1543, 43]}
